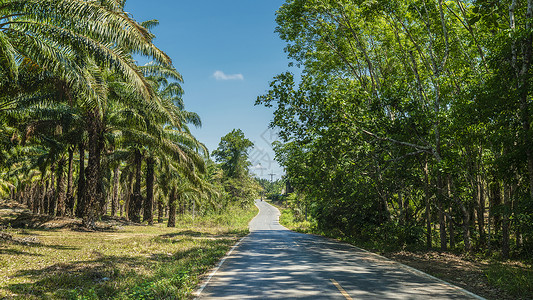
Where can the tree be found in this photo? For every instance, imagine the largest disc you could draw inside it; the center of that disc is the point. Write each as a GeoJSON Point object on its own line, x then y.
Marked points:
{"type": "Point", "coordinates": [232, 153]}
{"type": "Point", "coordinates": [404, 107]}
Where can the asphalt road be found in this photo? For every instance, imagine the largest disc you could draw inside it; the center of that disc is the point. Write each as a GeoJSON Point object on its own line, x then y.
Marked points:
{"type": "Point", "coordinates": [275, 263]}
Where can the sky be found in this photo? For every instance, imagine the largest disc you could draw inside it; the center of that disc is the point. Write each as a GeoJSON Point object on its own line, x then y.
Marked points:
{"type": "Point", "coordinates": [227, 52]}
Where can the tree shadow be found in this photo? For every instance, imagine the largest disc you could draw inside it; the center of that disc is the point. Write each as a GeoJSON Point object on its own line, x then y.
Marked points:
{"type": "Point", "coordinates": [273, 264]}
{"type": "Point", "coordinates": [17, 252]}
{"type": "Point", "coordinates": [108, 276]}
{"type": "Point", "coordinates": [191, 233]}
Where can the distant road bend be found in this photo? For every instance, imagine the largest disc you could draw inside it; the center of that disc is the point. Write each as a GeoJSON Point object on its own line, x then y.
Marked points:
{"type": "Point", "coordinates": [275, 263]}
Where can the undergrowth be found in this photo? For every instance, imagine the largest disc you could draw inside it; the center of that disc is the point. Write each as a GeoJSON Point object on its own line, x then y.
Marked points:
{"type": "Point", "coordinates": [129, 262]}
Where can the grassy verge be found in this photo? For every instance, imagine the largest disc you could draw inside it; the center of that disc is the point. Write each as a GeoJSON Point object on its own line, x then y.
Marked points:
{"type": "Point", "coordinates": [126, 262]}
{"type": "Point", "coordinates": [489, 278]}
{"type": "Point", "coordinates": [515, 279]}
{"type": "Point", "coordinates": [291, 221]}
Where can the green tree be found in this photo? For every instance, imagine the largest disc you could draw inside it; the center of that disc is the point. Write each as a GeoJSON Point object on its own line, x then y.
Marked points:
{"type": "Point", "coordinates": [232, 153]}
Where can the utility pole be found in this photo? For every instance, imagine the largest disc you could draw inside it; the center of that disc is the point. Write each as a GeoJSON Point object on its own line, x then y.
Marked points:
{"type": "Point", "coordinates": [271, 176]}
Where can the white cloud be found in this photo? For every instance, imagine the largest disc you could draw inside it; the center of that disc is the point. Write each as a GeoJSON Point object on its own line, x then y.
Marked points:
{"type": "Point", "coordinates": [219, 75]}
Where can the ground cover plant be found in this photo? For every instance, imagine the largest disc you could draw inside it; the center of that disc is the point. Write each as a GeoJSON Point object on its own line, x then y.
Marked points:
{"type": "Point", "coordinates": [121, 260]}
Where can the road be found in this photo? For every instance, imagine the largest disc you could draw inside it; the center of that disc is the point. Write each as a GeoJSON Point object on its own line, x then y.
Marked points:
{"type": "Point", "coordinates": [275, 263]}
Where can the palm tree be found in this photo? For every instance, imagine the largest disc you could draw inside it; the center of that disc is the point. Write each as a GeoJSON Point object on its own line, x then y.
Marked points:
{"type": "Point", "coordinates": [70, 39]}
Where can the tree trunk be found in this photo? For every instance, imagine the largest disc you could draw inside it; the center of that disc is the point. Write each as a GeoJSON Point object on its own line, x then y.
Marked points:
{"type": "Point", "coordinates": [451, 230]}
{"type": "Point", "coordinates": [481, 213]}
{"type": "Point", "coordinates": [70, 197]}
{"type": "Point", "coordinates": [96, 144]}
{"type": "Point", "coordinates": [442, 221]}
{"type": "Point", "coordinates": [449, 217]}
{"type": "Point", "coordinates": [149, 202]}
{"type": "Point", "coordinates": [114, 199]}
{"type": "Point", "coordinates": [129, 194]}
{"type": "Point", "coordinates": [505, 221]}
{"type": "Point", "coordinates": [160, 210]}
{"type": "Point", "coordinates": [523, 85]}
{"type": "Point", "coordinates": [172, 201]}
{"type": "Point", "coordinates": [466, 228]}
{"type": "Point", "coordinates": [137, 200]}
{"type": "Point", "coordinates": [496, 199]}
{"type": "Point", "coordinates": [36, 197]}
{"type": "Point", "coordinates": [428, 205]}
{"type": "Point", "coordinates": [60, 190]}
{"type": "Point", "coordinates": [52, 201]}
{"type": "Point", "coordinates": [124, 195]}
{"type": "Point", "coordinates": [80, 206]}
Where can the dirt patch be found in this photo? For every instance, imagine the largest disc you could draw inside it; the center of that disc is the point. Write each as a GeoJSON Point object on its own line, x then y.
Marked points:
{"type": "Point", "coordinates": [458, 270]}
{"type": "Point", "coordinates": [16, 215]}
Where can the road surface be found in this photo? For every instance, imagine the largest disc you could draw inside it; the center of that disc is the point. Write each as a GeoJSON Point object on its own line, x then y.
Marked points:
{"type": "Point", "coordinates": [275, 263]}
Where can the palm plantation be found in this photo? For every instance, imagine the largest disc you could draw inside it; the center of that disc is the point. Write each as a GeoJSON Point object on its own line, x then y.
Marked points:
{"type": "Point", "coordinates": [93, 129]}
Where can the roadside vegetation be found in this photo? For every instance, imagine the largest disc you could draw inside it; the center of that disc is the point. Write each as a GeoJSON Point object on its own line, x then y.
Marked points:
{"type": "Point", "coordinates": [122, 260]}
{"type": "Point", "coordinates": [408, 127]}
{"type": "Point", "coordinates": [489, 277]}
{"type": "Point", "coordinates": [96, 154]}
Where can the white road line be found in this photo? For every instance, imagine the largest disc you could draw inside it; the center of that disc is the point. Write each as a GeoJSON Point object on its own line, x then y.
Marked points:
{"type": "Point", "coordinates": [199, 291]}
{"type": "Point", "coordinates": [339, 287]}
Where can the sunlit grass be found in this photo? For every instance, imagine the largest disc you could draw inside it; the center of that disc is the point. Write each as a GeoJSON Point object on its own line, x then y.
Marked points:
{"type": "Point", "coordinates": [130, 262]}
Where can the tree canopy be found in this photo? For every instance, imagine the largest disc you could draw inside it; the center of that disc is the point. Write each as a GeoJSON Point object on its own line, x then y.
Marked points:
{"type": "Point", "coordinates": [410, 116]}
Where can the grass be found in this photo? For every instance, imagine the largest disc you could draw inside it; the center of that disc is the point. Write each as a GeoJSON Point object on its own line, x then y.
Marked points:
{"type": "Point", "coordinates": [288, 220]}
{"type": "Point", "coordinates": [515, 279]}
{"type": "Point", "coordinates": [129, 262]}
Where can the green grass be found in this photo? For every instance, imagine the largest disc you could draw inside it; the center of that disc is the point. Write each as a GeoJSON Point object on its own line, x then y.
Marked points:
{"type": "Point", "coordinates": [515, 279]}
{"type": "Point", "coordinates": [131, 262]}
{"type": "Point", "coordinates": [289, 219]}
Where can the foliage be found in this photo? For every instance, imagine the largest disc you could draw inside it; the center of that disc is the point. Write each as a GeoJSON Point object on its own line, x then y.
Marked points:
{"type": "Point", "coordinates": [232, 153]}
{"type": "Point", "coordinates": [271, 189]}
{"type": "Point", "coordinates": [409, 117]}
{"type": "Point", "coordinates": [93, 129]}
{"type": "Point", "coordinates": [124, 262]}
{"type": "Point", "coordinates": [516, 280]}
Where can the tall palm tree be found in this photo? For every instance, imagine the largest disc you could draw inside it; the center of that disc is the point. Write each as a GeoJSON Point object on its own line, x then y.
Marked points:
{"type": "Point", "coordinates": [74, 40]}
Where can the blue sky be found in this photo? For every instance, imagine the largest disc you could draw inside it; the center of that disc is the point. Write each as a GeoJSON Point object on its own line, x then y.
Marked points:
{"type": "Point", "coordinates": [227, 52]}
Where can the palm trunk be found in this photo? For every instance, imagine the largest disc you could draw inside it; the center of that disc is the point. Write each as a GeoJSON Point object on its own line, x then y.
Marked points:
{"type": "Point", "coordinates": [70, 197]}
{"type": "Point", "coordinates": [172, 201]}
{"type": "Point", "coordinates": [114, 200]}
{"type": "Point", "coordinates": [60, 190]}
{"type": "Point", "coordinates": [149, 202]}
{"type": "Point", "coordinates": [136, 199]}
{"type": "Point", "coordinates": [96, 144]}
{"type": "Point", "coordinates": [129, 194]}
{"type": "Point", "coordinates": [52, 203]}
{"type": "Point", "coordinates": [160, 211]}
{"type": "Point", "coordinates": [80, 206]}
{"type": "Point", "coordinates": [44, 206]}
{"type": "Point", "coordinates": [36, 197]}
